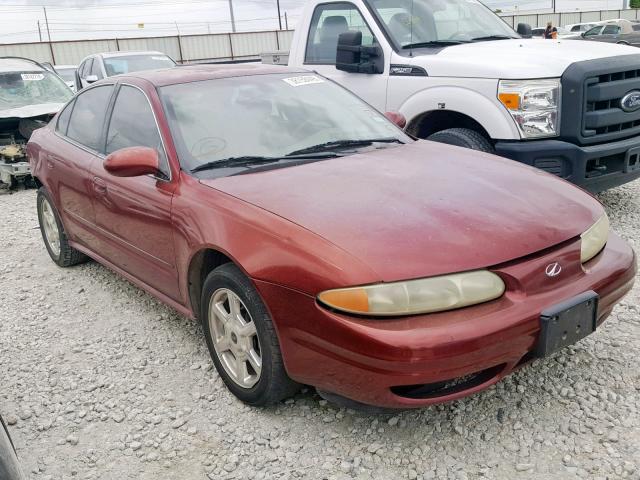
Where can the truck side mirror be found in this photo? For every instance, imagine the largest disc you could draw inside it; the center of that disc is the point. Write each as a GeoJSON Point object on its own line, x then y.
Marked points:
{"type": "Point", "coordinates": [524, 30]}
{"type": "Point", "coordinates": [352, 56]}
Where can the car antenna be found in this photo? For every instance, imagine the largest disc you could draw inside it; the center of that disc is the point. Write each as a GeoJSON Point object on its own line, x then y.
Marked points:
{"type": "Point", "coordinates": [411, 29]}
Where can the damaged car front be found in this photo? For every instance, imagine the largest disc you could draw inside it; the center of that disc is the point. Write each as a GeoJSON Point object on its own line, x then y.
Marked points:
{"type": "Point", "coordinates": [30, 95]}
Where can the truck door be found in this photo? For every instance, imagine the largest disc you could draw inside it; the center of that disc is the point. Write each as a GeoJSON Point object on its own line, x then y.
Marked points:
{"type": "Point", "coordinates": [328, 22]}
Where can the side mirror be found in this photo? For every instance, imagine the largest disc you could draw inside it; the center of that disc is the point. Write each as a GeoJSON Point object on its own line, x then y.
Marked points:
{"type": "Point", "coordinates": [133, 162]}
{"type": "Point", "coordinates": [524, 30]}
{"type": "Point", "coordinates": [352, 56]}
{"type": "Point", "coordinates": [397, 118]}
{"type": "Point", "coordinates": [91, 78]}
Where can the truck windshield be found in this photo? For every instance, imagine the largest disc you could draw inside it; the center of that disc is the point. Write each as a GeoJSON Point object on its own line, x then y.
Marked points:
{"type": "Point", "coordinates": [416, 23]}
{"type": "Point", "coordinates": [22, 89]}
{"type": "Point", "coordinates": [264, 117]}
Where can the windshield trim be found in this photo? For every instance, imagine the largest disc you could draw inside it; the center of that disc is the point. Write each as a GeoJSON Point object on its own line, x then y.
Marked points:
{"type": "Point", "coordinates": [397, 48]}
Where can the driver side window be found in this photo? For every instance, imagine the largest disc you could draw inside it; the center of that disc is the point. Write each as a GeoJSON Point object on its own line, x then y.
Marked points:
{"type": "Point", "coordinates": [593, 31]}
{"type": "Point", "coordinates": [328, 22]}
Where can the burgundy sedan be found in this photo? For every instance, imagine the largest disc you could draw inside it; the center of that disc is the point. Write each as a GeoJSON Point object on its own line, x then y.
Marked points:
{"type": "Point", "coordinates": [318, 243]}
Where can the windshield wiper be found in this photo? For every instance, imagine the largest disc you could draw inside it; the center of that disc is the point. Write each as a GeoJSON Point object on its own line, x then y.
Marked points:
{"type": "Point", "coordinates": [338, 144]}
{"type": "Point", "coordinates": [493, 37]}
{"type": "Point", "coordinates": [434, 43]}
{"type": "Point", "coordinates": [248, 161]}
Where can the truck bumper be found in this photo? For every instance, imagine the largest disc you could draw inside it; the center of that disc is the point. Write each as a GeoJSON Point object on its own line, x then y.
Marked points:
{"type": "Point", "coordinates": [594, 168]}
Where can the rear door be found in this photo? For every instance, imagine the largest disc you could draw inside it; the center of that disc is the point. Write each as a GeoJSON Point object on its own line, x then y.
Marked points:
{"type": "Point", "coordinates": [73, 157]}
{"type": "Point", "coordinates": [135, 212]}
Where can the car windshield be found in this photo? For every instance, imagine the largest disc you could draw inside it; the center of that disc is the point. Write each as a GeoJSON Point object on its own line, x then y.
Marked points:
{"type": "Point", "coordinates": [21, 89]}
{"type": "Point", "coordinates": [414, 22]}
{"type": "Point", "coordinates": [268, 116]}
{"type": "Point", "coordinates": [136, 63]}
{"type": "Point", "coordinates": [67, 74]}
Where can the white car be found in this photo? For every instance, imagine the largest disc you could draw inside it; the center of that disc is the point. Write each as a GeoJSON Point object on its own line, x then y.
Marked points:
{"type": "Point", "coordinates": [538, 32]}
{"type": "Point", "coordinates": [101, 65]}
{"type": "Point", "coordinates": [68, 74]}
{"type": "Point", "coordinates": [578, 28]}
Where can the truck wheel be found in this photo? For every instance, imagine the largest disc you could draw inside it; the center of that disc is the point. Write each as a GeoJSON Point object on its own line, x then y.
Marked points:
{"type": "Point", "coordinates": [242, 340]}
{"type": "Point", "coordinates": [463, 137]}
{"type": "Point", "coordinates": [53, 234]}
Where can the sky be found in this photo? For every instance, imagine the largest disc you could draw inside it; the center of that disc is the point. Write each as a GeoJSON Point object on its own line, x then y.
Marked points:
{"type": "Point", "coordinates": [84, 19]}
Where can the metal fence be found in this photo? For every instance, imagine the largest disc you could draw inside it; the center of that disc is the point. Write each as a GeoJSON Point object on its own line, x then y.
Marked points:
{"type": "Point", "coordinates": [241, 46]}
{"type": "Point", "coordinates": [184, 48]}
{"type": "Point", "coordinates": [568, 18]}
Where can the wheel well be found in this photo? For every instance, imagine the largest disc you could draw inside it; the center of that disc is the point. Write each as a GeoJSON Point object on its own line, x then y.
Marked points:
{"type": "Point", "coordinates": [435, 121]}
{"type": "Point", "coordinates": [37, 181]}
{"type": "Point", "coordinates": [201, 265]}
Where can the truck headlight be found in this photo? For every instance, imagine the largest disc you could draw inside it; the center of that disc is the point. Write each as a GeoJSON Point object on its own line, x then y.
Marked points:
{"type": "Point", "coordinates": [594, 239]}
{"type": "Point", "coordinates": [533, 104]}
{"type": "Point", "coordinates": [411, 297]}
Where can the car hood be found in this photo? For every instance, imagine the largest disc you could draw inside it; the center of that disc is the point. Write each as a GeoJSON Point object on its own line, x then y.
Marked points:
{"type": "Point", "coordinates": [29, 111]}
{"type": "Point", "coordinates": [511, 59]}
{"type": "Point", "coordinates": [422, 209]}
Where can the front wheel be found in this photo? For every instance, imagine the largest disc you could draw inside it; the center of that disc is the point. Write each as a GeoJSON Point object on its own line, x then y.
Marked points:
{"type": "Point", "coordinates": [463, 137]}
{"type": "Point", "coordinates": [242, 340]}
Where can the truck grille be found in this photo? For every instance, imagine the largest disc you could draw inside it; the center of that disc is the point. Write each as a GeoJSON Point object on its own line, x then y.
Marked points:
{"type": "Point", "coordinates": [604, 95]}
{"type": "Point", "coordinates": [592, 95]}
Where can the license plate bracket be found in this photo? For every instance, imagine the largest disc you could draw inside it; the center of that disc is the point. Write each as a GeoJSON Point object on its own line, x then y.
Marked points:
{"type": "Point", "coordinates": [567, 322]}
{"type": "Point", "coordinates": [632, 160]}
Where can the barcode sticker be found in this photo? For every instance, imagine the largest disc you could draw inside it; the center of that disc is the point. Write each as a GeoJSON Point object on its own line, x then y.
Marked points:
{"type": "Point", "coordinates": [303, 80]}
{"type": "Point", "coordinates": [32, 76]}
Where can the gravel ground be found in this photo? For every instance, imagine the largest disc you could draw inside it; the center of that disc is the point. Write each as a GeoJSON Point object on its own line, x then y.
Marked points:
{"type": "Point", "coordinates": [101, 381]}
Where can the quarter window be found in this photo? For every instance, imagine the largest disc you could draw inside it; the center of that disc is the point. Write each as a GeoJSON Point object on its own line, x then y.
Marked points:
{"type": "Point", "coordinates": [133, 124]}
{"type": "Point", "coordinates": [63, 119]}
{"type": "Point", "coordinates": [87, 118]}
{"type": "Point", "coordinates": [328, 22]}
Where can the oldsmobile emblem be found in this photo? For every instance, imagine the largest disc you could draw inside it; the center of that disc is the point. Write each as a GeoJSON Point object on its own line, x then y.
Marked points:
{"type": "Point", "coordinates": [631, 101]}
{"type": "Point", "coordinates": [553, 269]}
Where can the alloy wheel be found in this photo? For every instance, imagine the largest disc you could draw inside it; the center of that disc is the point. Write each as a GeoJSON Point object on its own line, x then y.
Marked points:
{"type": "Point", "coordinates": [50, 226]}
{"type": "Point", "coordinates": [235, 338]}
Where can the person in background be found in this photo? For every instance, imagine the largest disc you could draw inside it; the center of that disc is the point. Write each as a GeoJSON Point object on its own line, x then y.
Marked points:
{"type": "Point", "coordinates": [554, 33]}
{"type": "Point", "coordinates": [548, 31]}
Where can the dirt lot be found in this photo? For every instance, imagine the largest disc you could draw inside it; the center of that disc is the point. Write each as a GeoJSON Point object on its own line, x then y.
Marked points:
{"type": "Point", "coordinates": [101, 381]}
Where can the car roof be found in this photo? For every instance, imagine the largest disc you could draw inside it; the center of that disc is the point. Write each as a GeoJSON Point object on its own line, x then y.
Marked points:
{"type": "Point", "coordinates": [64, 66]}
{"type": "Point", "coordinates": [16, 64]}
{"type": "Point", "coordinates": [200, 72]}
{"type": "Point", "coordinates": [129, 53]}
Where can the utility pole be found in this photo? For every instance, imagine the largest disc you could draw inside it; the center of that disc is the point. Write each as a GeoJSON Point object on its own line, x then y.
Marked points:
{"type": "Point", "coordinates": [39, 31]}
{"type": "Point", "coordinates": [47, 22]}
{"type": "Point", "coordinates": [279, 16]}
{"type": "Point", "coordinates": [233, 20]}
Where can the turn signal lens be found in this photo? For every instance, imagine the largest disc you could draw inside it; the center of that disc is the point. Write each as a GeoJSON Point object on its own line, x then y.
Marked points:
{"type": "Point", "coordinates": [427, 295]}
{"type": "Point", "coordinates": [510, 100]}
{"type": "Point", "coordinates": [594, 239]}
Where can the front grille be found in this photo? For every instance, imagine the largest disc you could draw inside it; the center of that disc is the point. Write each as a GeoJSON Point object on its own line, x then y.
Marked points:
{"type": "Point", "coordinates": [603, 112]}
{"type": "Point", "coordinates": [592, 94]}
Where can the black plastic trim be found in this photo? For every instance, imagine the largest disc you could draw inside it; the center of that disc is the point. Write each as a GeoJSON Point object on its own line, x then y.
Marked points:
{"type": "Point", "coordinates": [407, 71]}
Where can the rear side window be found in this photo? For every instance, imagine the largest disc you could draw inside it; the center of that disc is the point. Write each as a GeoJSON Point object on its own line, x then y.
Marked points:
{"type": "Point", "coordinates": [611, 30]}
{"type": "Point", "coordinates": [87, 118]}
{"type": "Point", "coordinates": [328, 22]}
{"type": "Point", "coordinates": [133, 124]}
{"type": "Point", "coordinates": [63, 119]}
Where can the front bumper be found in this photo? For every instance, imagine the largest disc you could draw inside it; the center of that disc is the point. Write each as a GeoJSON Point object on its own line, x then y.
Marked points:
{"type": "Point", "coordinates": [595, 168]}
{"type": "Point", "coordinates": [376, 362]}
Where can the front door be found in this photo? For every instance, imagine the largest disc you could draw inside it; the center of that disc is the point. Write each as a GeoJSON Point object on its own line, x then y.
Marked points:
{"type": "Point", "coordinates": [134, 213]}
{"type": "Point", "coordinates": [328, 22]}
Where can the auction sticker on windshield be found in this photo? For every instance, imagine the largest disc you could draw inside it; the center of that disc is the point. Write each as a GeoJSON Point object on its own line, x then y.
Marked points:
{"type": "Point", "coordinates": [303, 80]}
{"type": "Point", "coordinates": [32, 76]}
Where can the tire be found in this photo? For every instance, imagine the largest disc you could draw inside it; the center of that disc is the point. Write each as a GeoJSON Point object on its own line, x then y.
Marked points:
{"type": "Point", "coordinates": [463, 137]}
{"type": "Point", "coordinates": [257, 388]}
{"type": "Point", "coordinates": [60, 252]}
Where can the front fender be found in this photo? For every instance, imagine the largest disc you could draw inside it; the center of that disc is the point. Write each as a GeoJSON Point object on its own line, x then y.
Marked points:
{"type": "Point", "coordinates": [493, 117]}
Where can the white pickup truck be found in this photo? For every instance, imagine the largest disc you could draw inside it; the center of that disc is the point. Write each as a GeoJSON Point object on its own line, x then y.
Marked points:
{"type": "Point", "coordinates": [461, 75]}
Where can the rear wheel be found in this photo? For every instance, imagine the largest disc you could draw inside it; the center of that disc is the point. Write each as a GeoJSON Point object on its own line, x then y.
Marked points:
{"type": "Point", "coordinates": [242, 340]}
{"type": "Point", "coordinates": [463, 137]}
{"type": "Point", "coordinates": [53, 234]}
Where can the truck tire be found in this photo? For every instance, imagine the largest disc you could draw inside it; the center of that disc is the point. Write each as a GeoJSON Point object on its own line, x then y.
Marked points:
{"type": "Point", "coordinates": [463, 137]}
{"type": "Point", "coordinates": [240, 335]}
{"type": "Point", "coordinates": [53, 234]}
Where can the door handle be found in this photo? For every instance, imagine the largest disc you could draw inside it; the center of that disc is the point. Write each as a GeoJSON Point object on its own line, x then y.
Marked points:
{"type": "Point", "coordinates": [99, 185]}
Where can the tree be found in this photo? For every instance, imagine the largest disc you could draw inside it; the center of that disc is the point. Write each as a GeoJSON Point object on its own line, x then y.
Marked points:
{"type": "Point", "coordinates": [634, 3]}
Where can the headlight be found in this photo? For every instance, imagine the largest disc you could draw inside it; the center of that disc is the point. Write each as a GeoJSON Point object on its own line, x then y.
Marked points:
{"type": "Point", "coordinates": [533, 104]}
{"type": "Point", "coordinates": [594, 239]}
{"type": "Point", "coordinates": [426, 295]}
